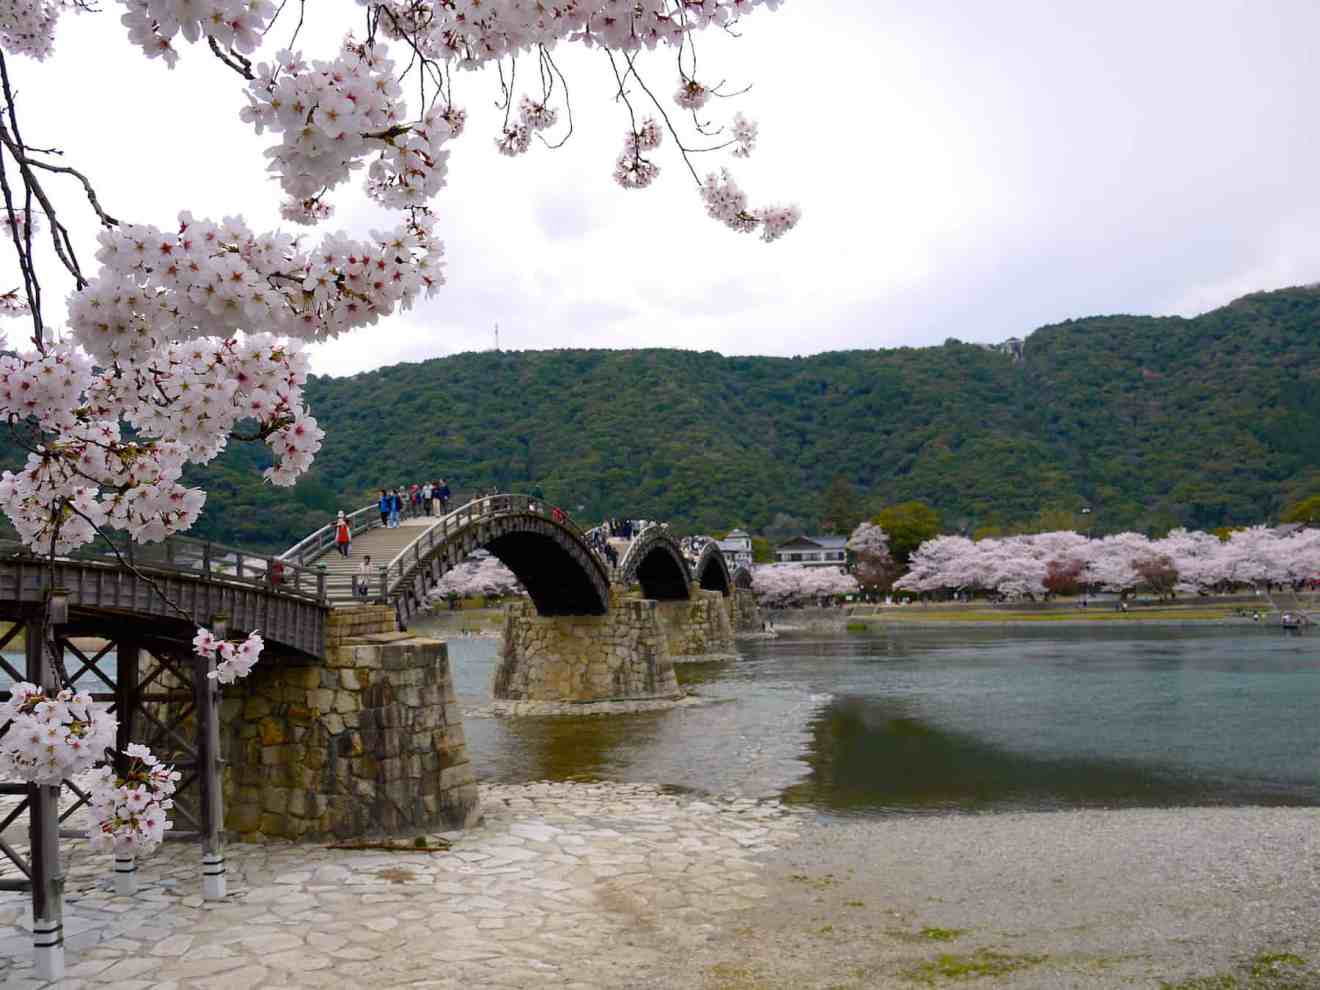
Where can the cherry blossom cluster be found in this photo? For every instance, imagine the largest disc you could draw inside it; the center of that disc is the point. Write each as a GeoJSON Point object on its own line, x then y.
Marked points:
{"type": "Point", "coordinates": [633, 170]}
{"type": "Point", "coordinates": [20, 223]}
{"type": "Point", "coordinates": [13, 304]}
{"type": "Point", "coordinates": [779, 585]}
{"type": "Point", "coordinates": [474, 577]}
{"type": "Point", "coordinates": [471, 33]}
{"type": "Point", "coordinates": [1019, 566]}
{"type": "Point", "coordinates": [234, 661]}
{"type": "Point", "coordinates": [307, 212]}
{"type": "Point", "coordinates": [181, 399]}
{"type": "Point", "coordinates": [516, 137]}
{"type": "Point", "coordinates": [153, 24]}
{"type": "Point", "coordinates": [691, 95]}
{"type": "Point", "coordinates": [214, 280]}
{"type": "Point", "coordinates": [27, 27]}
{"type": "Point", "coordinates": [50, 737]}
{"type": "Point", "coordinates": [129, 810]}
{"type": "Point", "coordinates": [331, 114]}
{"type": "Point", "coordinates": [745, 133]}
{"type": "Point", "coordinates": [727, 203]}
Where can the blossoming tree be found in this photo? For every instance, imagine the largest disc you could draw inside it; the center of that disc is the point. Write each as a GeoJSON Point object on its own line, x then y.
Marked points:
{"type": "Point", "coordinates": [873, 566]}
{"type": "Point", "coordinates": [190, 334]}
{"type": "Point", "coordinates": [477, 577]}
{"type": "Point", "coordinates": [784, 585]}
{"type": "Point", "coordinates": [1193, 562]}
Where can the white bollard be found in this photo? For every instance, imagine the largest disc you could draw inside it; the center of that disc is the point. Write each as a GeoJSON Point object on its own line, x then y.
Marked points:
{"type": "Point", "coordinates": [213, 876]}
{"type": "Point", "coordinates": [48, 949]}
{"type": "Point", "coordinates": [126, 878]}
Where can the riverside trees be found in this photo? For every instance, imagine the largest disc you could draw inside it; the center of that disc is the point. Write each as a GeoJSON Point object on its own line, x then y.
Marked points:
{"type": "Point", "coordinates": [1186, 561]}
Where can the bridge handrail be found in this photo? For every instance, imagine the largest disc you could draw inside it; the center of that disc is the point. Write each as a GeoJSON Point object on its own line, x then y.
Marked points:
{"type": "Point", "coordinates": [185, 555]}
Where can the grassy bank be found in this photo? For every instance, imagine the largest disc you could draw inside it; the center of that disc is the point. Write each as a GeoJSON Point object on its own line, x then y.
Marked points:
{"type": "Point", "coordinates": [949, 614]}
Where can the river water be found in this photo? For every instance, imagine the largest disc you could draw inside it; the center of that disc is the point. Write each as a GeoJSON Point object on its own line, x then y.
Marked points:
{"type": "Point", "coordinates": [919, 721]}
{"type": "Point", "coordinates": [959, 719]}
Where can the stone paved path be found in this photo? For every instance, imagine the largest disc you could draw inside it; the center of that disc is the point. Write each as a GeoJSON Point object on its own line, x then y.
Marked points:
{"type": "Point", "coordinates": [578, 886]}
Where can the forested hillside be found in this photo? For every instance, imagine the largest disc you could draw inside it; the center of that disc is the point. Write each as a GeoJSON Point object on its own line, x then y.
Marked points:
{"type": "Point", "coordinates": [1151, 422]}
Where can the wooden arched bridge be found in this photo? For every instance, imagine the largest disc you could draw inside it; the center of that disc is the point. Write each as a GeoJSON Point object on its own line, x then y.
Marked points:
{"type": "Point", "coordinates": [162, 591]}
{"type": "Point", "coordinates": [551, 557]}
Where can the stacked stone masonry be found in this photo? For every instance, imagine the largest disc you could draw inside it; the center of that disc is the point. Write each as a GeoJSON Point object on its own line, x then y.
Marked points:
{"type": "Point", "coordinates": [622, 655]}
{"type": "Point", "coordinates": [747, 616]}
{"type": "Point", "coordinates": [371, 741]}
{"type": "Point", "coordinates": [698, 628]}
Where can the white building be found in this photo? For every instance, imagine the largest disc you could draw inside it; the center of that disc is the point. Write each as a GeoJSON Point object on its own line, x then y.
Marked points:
{"type": "Point", "coordinates": [813, 550]}
{"type": "Point", "coordinates": [737, 548]}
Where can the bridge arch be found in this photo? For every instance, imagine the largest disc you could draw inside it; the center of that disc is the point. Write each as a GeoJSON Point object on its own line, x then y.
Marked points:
{"type": "Point", "coordinates": [552, 561]}
{"type": "Point", "coordinates": [655, 561]}
{"type": "Point", "coordinates": [711, 571]}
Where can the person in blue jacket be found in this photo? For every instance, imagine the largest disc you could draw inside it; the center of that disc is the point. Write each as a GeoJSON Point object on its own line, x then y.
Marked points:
{"type": "Point", "coordinates": [384, 506]}
{"type": "Point", "coordinates": [396, 506]}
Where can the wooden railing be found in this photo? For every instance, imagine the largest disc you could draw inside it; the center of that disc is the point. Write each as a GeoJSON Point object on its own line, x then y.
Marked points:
{"type": "Point", "coordinates": [197, 558]}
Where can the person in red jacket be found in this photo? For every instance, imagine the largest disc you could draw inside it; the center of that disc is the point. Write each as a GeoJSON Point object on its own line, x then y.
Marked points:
{"type": "Point", "coordinates": [343, 535]}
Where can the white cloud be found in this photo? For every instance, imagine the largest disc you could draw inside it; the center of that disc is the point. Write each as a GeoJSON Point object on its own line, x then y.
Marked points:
{"type": "Point", "coordinates": [965, 169]}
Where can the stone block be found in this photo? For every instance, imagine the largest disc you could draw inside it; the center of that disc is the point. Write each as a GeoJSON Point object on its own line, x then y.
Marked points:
{"type": "Point", "coordinates": [272, 732]}
{"type": "Point", "coordinates": [274, 826]}
{"type": "Point", "coordinates": [275, 800]}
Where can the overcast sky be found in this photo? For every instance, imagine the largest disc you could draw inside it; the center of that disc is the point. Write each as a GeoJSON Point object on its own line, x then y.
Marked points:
{"type": "Point", "coordinates": [965, 169]}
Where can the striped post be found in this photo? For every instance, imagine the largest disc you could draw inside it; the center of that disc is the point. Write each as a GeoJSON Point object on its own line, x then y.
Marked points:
{"type": "Point", "coordinates": [207, 692]}
{"type": "Point", "coordinates": [44, 835]}
{"type": "Point", "coordinates": [126, 878]}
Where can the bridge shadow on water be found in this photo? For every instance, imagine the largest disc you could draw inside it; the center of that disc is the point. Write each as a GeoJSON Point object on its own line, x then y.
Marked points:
{"type": "Point", "coordinates": [873, 756]}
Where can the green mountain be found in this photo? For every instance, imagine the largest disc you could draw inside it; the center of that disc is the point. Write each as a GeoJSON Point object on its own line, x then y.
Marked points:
{"type": "Point", "coordinates": [1151, 422]}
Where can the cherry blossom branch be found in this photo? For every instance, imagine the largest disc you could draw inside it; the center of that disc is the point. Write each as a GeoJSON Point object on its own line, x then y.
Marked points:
{"type": "Point", "coordinates": [241, 65]}
{"type": "Point", "coordinates": [125, 563]}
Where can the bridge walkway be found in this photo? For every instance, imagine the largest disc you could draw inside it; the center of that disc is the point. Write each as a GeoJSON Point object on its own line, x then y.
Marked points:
{"type": "Point", "coordinates": [382, 545]}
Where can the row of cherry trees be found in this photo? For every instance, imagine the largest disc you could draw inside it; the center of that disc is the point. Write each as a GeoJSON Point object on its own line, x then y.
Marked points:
{"type": "Point", "coordinates": [1065, 562]}
{"type": "Point", "coordinates": [1058, 563]}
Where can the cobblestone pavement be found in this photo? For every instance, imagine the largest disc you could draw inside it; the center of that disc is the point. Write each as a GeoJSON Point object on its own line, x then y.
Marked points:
{"type": "Point", "coordinates": [563, 885]}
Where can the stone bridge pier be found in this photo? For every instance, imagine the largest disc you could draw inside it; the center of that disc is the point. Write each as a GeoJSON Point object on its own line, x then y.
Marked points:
{"type": "Point", "coordinates": [622, 655]}
{"type": "Point", "coordinates": [699, 628]}
{"type": "Point", "coordinates": [370, 741]}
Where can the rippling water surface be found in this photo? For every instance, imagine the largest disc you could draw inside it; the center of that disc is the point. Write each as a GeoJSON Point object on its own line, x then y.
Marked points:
{"type": "Point", "coordinates": [937, 720]}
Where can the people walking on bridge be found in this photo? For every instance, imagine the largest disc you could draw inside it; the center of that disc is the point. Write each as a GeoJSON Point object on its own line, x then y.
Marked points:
{"type": "Point", "coordinates": [343, 535]}
{"type": "Point", "coordinates": [384, 506]}
{"type": "Point", "coordinates": [395, 507]}
{"type": "Point", "coordinates": [362, 581]}
{"type": "Point", "coordinates": [426, 499]}
{"type": "Point", "coordinates": [444, 496]}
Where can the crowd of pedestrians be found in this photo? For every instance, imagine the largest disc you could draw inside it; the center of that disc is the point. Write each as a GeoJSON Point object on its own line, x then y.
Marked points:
{"type": "Point", "coordinates": [624, 529]}
{"type": "Point", "coordinates": [413, 501]}
{"type": "Point", "coordinates": [599, 542]}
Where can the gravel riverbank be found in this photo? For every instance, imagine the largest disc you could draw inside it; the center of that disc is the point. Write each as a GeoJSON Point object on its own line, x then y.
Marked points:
{"type": "Point", "coordinates": [1197, 899]}
{"type": "Point", "coordinates": [626, 887]}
